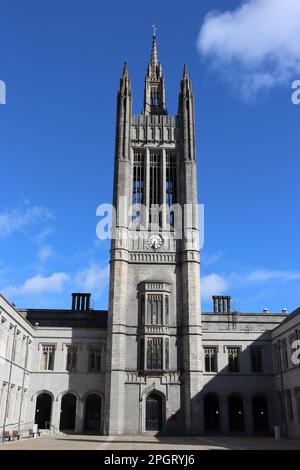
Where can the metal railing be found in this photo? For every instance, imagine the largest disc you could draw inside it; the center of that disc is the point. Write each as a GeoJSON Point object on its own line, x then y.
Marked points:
{"type": "Point", "coordinates": [53, 429]}
{"type": "Point", "coordinates": [22, 428]}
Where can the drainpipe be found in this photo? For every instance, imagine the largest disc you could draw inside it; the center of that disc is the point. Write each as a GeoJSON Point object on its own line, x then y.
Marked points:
{"type": "Point", "coordinates": [9, 381]}
{"type": "Point", "coordinates": [282, 391]}
{"type": "Point", "coordinates": [23, 381]}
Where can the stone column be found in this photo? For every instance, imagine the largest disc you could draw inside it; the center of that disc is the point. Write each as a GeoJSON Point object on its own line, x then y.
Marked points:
{"type": "Point", "coordinates": [79, 416]}
{"type": "Point", "coordinates": [224, 415]}
{"type": "Point", "coordinates": [55, 418]}
{"type": "Point", "coordinates": [248, 416]}
{"type": "Point", "coordinates": [147, 188]}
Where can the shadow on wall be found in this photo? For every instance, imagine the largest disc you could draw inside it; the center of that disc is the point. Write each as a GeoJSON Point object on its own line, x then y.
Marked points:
{"type": "Point", "coordinates": [233, 401]}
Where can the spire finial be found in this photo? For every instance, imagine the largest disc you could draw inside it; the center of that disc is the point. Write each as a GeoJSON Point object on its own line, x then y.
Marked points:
{"type": "Point", "coordinates": [185, 71]}
{"type": "Point", "coordinates": [154, 55]}
{"type": "Point", "coordinates": [125, 69]}
{"type": "Point", "coordinates": [125, 80]}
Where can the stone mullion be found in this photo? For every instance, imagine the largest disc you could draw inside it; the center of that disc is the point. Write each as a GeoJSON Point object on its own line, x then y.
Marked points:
{"type": "Point", "coordinates": [163, 199]}
{"type": "Point", "coordinates": [147, 188]}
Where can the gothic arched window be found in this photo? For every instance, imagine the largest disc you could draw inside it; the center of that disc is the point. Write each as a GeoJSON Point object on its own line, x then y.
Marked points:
{"type": "Point", "coordinates": [138, 185]}
{"type": "Point", "coordinates": [171, 189]}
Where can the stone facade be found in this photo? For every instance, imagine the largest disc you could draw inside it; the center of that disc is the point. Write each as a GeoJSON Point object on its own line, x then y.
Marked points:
{"type": "Point", "coordinates": [153, 361]}
{"type": "Point", "coordinates": [23, 379]}
{"type": "Point", "coordinates": [16, 351]}
{"type": "Point", "coordinates": [26, 337]}
{"type": "Point", "coordinates": [286, 342]}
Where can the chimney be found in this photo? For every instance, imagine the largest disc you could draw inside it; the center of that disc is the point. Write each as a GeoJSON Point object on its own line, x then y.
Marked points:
{"type": "Point", "coordinates": [81, 301]}
{"type": "Point", "coordinates": [222, 303]}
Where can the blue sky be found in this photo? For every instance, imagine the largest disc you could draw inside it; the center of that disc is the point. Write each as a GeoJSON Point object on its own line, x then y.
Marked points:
{"type": "Point", "coordinates": [61, 62]}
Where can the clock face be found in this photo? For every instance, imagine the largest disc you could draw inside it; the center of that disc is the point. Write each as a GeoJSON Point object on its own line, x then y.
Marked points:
{"type": "Point", "coordinates": [155, 241]}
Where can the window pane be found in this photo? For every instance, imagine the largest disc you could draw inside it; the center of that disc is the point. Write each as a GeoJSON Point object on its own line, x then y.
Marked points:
{"type": "Point", "coordinates": [51, 360]}
{"type": "Point", "coordinates": [154, 353]}
{"type": "Point", "coordinates": [207, 363]}
{"type": "Point", "coordinates": [233, 359]}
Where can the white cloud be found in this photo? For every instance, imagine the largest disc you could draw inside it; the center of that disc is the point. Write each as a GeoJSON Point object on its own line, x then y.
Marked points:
{"type": "Point", "coordinates": [213, 284]}
{"type": "Point", "coordinates": [45, 252]}
{"type": "Point", "coordinates": [38, 284]}
{"type": "Point", "coordinates": [264, 275]}
{"type": "Point", "coordinates": [93, 279]}
{"type": "Point", "coordinates": [211, 258]}
{"type": "Point", "coordinates": [44, 233]}
{"type": "Point", "coordinates": [256, 46]}
{"type": "Point", "coordinates": [17, 220]}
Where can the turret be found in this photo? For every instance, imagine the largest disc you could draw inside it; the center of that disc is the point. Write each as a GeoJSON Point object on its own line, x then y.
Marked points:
{"type": "Point", "coordinates": [124, 110]}
{"type": "Point", "coordinates": [186, 118]}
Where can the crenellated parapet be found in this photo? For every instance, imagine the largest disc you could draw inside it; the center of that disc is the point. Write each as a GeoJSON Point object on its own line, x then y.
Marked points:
{"type": "Point", "coordinates": [151, 128]}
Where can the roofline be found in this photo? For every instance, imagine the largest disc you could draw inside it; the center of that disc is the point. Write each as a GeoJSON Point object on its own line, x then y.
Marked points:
{"type": "Point", "coordinates": [62, 310]}
{"type": "Point", "coordinates": [258, 314]}
{"type": "Point", "coordinates": [17, 311]}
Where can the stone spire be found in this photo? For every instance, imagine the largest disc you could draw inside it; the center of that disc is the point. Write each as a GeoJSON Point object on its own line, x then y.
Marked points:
{"type": "Point", "coordinates": [186, 85]}
{"type": "Point", "coordinates": [154, 55]}
{"type": "Point", "coordinates": [185, 117]}
{"type": "Point", "coordinates": [125, 86]}
{"type": "Point", "coordinates": [124, 108]}
{"type": "Point", "coordinates": [154, 95]}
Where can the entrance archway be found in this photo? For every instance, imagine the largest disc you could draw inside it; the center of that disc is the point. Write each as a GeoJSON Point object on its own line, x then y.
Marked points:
{"type": "Point", "coordinates": [68, 412]}
{"type": "Point", "coordinates": [153, 412]}
{"type": "Point", "coordinates": [260, 414]}
{"type": "Point", "coordinates": [43, 410]}
{"type": "Point", "coordinates": [93, 413]}
{"type": "Point", "coordinates": [211, 413]}
{"type": "Point", "coordinates": [236, 413]}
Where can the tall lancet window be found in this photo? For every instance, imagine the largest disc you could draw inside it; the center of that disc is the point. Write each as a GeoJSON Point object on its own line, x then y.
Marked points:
{"type": "Point", "coordinates": [154, 189]}
{"type": "Point", "coordinates": [154, 97]}
{"type": "Point", "coordinates": [171, 195]}
{"type": "Point", "coordinates": [138, 185]}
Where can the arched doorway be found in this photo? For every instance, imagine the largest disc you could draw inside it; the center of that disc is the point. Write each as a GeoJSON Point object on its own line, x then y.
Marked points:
{"type": "Point", "coordinates": [68, 412]}
{"type": "Point", "coordinates": [236, 413]}
{"type": "Point", "coordinates": [153, 412]}
{"type": "Point", "coordinates": [211, 413]}
{"type": "Point", "coordinates": [93, 413]}
{"type": "Point", "coordinates": [43, 410]}
{"type": "Point", "coordinates": [260, 414]}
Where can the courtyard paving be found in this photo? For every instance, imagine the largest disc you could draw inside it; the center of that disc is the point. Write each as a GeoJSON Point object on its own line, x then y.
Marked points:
{"type": "Point", "coordinates": [149, 443]}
